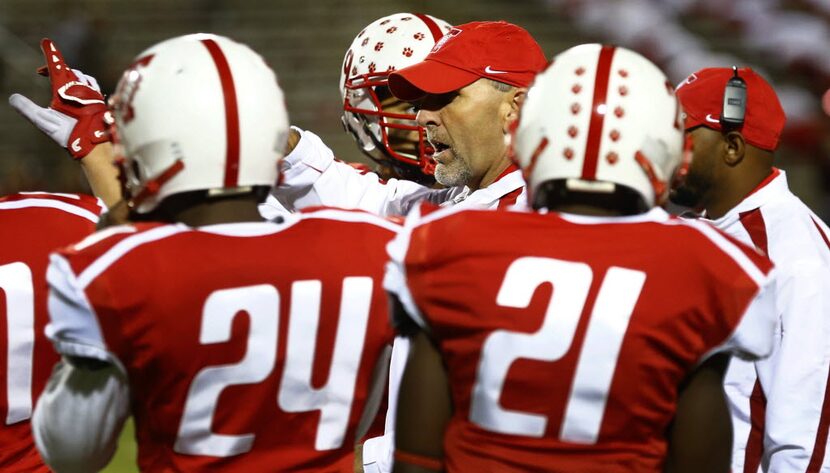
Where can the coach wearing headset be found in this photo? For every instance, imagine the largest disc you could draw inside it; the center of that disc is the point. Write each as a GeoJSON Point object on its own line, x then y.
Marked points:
{"type": "Point", "coordinates": [781, 405]}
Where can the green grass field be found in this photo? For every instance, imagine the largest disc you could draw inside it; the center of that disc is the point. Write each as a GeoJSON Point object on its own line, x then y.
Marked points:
{"type": "Point", "coordinates": [124, 459]}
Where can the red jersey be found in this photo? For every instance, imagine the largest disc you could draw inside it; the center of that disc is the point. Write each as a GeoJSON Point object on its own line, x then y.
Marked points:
{"type": "Point", "coordinates": [31, 225]}
{"type": "Point", "coordinates": [247, 346]}
{"type": "Point", "coordinates": [566, 337]}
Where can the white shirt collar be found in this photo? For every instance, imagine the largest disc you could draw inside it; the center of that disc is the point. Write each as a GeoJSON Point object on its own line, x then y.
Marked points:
{"type": "Point", "coordinates": [488, 195]}
{"type": "Point", "coordinates": [760, 196]}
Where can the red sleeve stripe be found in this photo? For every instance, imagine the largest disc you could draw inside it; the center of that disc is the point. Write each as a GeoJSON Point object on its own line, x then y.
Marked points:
{"type": "Point", "coordinates": [757, 418]}
{"type": "Point", "coordinates": [758, 274]}
{"type": "Point", "coordinates": [821, 232]}
{"type": "Point", "coordinates": [432, 25]}
{"type": "Point", "coordinates": [510, 198]}
{"type": "Point", "coordinates": [820, 447]}
{"type": "Point", "coordinates": [753, 222]}
{"type": "Point", "coordinates": [589, 167]}
{"type": "Point", "coordinates": [231, 113]}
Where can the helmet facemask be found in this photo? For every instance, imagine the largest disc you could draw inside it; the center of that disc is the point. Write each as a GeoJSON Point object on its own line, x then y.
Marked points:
{"type": "Point", "coordinates": [384, 135]}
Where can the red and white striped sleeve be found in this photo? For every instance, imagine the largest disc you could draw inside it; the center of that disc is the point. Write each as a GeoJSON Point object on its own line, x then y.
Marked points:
{"type": "Point", "coordinates": [796, 378]}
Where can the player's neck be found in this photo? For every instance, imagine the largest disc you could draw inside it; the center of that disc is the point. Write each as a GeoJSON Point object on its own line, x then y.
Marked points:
{"type": "Point", "coordinates": [213, 212]}
{"type": "Point", "coordinates": [589, 210]}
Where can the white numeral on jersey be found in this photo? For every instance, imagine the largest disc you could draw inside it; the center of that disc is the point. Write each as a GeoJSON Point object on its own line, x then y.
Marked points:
{"type": "Point", "coordinates": [16, 282]}
{"type": "Point", "coordinates": [608, 323]}
{"type": "Point", "coordinates": [262, 303]}
{"type": "Point", "coordinates": [334, 400]}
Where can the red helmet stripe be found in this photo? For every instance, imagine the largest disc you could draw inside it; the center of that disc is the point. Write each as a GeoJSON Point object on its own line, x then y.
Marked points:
{"type": "Point", "coordinates": [589, 166]}
{"type": "Point", "coordinates": [432, 25]}
{"type": "Point", "coordinates": [231, 113]}
{"type": "Point", "coordinates": [540, 148]}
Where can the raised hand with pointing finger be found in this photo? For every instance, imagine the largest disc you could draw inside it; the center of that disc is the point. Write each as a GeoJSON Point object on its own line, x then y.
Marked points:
{"type": "Point", "coordinates": [75, 117]}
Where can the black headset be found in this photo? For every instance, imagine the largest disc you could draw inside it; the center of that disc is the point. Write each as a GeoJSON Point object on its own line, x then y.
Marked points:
{"type": "Point", "coordinates": [734, 102]}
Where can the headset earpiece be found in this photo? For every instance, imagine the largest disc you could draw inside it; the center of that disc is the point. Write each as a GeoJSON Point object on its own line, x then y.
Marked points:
{"type": "Point", "coordinates": [734, 102]}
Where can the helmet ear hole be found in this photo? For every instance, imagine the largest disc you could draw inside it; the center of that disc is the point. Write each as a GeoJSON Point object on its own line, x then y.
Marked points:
{"type": "Point", "coordinates": [205, 106]}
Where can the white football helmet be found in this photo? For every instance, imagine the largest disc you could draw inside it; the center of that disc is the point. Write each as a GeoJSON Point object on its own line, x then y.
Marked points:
{"type": "Point", "coordinates": [601, 117]}
{"type": "Point", "coordinates": [387, 44]}
{"type": "Point", "coordinates": [198, 112]}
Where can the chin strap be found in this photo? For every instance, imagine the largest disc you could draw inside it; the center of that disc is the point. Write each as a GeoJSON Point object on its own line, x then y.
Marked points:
{"type": "Point", "coordinates": [658, 185]}
{"type": "Point", "coordinates": [152, 186]}
{"type": "Point", "coordinates": [683, 169]}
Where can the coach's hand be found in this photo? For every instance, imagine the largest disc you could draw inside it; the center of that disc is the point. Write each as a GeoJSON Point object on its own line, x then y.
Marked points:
{"type": "Point", "coordinates": [75, 116]}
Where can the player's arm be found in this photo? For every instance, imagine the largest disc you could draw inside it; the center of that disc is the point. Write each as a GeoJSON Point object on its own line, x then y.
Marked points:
{"type": "Point", "coordinates": [376, 454]}
{"type": "Point", "coordinates": [312, 177]}
{"type": "Point", "coordinates": [795, 378]}
{"type": "Point", "coordinates": [79, 416]}
{"type": "Point", "coordinates": [75, 120]}
{"type": "Point", "coordinates": [380, 375]}
{"type": "Point", "coordinates": [81, 412]}
{"type": "Point", "coordinates": [102, 175]}
{"type": "Point", "coordinates": [424, 405]}
{"type": "Point", "coordinates": [700, 437]}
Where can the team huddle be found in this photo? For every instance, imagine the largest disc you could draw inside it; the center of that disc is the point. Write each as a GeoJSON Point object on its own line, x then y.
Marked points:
{"type": "Point", "coordinates": [504, 292]}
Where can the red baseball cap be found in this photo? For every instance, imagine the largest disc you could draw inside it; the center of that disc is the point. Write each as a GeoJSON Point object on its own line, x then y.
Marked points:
{"type": "Point", "coordinates": [496, 50]}
{"type": "Point", "coordinates": [701, 95]}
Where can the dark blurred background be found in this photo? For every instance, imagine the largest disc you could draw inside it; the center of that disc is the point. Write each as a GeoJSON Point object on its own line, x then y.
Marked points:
{"type": "Point", "coordinates": [304, 40]}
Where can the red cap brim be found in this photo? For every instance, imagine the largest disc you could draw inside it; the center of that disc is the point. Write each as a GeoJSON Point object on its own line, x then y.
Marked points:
{"type": "Point", "coordinates": [694, 121]}
{"type": "Point", "coordinates": [428, 77]}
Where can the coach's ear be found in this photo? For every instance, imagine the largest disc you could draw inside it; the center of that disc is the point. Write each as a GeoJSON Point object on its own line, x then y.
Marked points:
{"type": "Point", "coordinates": [735, 148]}
{"type": "Point", "coordinates": [516, 97]}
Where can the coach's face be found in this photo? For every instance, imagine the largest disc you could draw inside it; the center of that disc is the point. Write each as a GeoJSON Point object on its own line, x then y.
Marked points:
{"type": "Point", "coordinates": [467, 129]}
{"type": "Point", "coordinates": [695, 188]}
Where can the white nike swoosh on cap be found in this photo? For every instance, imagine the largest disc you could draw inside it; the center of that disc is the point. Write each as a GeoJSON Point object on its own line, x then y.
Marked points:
{"type": "Point", "coordinates": [489, 70]}
{"type": "Point", "coordinates": [710, 119]}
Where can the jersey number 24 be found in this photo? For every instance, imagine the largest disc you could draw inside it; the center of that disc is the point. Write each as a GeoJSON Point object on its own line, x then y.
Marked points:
{"type": "Point", "coordinates": [296, 394]}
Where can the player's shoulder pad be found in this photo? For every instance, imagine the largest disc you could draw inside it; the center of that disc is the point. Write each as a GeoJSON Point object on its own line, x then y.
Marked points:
{"type": "Point", "coordinates": [714, 241]}
{"type": "Point", "coordinates": [82, 205]}
{"type": "Point", "coordinates": [350, 215]}
{"type": "Point", "coordinates": [103, 240]}
{"type": "Point", "coordinates": [427, 212]}
{"type": "Point", "coordinates": [97, 252]}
